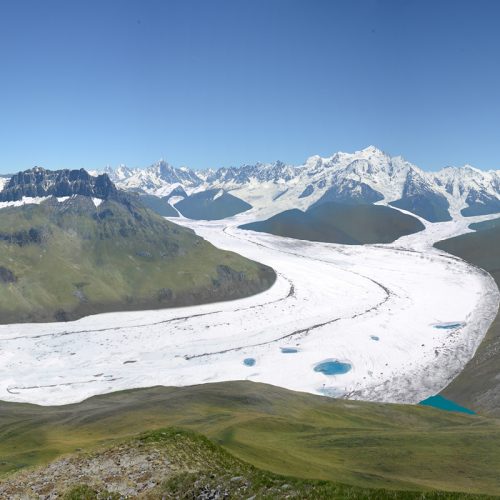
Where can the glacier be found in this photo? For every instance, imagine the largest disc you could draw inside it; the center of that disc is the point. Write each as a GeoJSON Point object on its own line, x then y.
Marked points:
{"type": "Point", "coordinates": [329, 303]}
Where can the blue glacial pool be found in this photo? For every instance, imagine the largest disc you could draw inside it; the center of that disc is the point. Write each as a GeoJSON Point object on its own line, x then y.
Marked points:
{"type": "Point", "coordinates": [374, 337]}
{"type": "Point", "coordinates": [289, 350]}
{"type": "Point", "coordinates": [445, 404]}
{"type": "Point", "coordinates": [448, 326]}
{"type": "Point", "coordinates": [249, 361]}
{"type": "Point", "coordinates": [332, 367]}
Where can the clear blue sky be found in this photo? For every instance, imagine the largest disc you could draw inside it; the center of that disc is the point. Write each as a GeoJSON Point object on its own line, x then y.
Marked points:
{"type": "Point", "coordinates": [213, 83]}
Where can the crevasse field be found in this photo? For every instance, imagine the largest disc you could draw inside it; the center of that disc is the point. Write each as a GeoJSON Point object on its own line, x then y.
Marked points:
{"type": "Point", "coordinates": [404, 317]}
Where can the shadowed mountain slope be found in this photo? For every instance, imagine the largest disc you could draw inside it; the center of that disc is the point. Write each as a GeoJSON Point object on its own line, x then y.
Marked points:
{"type": "Point", "coordinates": [158, 205]}
{"type": "Point", "coordinates": [430, 206]}
{"type": "Point", "coordinates": [336, 223]}
{"type": "Point", "coordinates": [213, 204]}
{"type": "Point", "coordinates": [478, 385]}
{"type": "Point", "coordinates": [486, 224]}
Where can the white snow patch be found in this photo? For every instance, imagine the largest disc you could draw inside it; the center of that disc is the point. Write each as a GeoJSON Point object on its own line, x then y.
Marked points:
{"type": "Point", "coordinates": [24, 201]}
{"type": "Point", "coordinates": [175, 199]}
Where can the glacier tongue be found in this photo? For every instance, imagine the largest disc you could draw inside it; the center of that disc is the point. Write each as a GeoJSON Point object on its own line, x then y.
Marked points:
{"type": "Point", "coordinates": [372, 307]}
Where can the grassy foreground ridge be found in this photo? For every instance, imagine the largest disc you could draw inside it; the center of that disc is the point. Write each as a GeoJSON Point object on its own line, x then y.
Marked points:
{"type": "Point", "coordinates": [368, 445]}
{"type": "Point", "coordinates": [173, 463]}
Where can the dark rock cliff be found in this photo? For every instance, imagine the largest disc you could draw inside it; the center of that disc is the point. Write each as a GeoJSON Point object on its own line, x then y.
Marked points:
{"type": "Point", "coordinates": [38, 182]}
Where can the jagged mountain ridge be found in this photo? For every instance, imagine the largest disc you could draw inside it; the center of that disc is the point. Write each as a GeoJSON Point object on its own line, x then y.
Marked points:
{"type": "Point", "coordinates": [158, 179]}
{"type": "Point", "coordinates": [366, 176]}
{"type": "Point", "coordinates": [38, 182]}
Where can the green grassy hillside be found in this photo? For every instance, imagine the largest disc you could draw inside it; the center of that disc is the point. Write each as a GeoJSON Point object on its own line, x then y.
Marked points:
{"type": "Point", "coordinates": [337, 223]}
{"type": "Point", "coordinates": [171, 463]}
{"type": "Point", "coordinates": [60, 261]}
{"type": "Point", "coordinates": [478, 385]}
{"type": "Point", "coordinates": [295, 434]}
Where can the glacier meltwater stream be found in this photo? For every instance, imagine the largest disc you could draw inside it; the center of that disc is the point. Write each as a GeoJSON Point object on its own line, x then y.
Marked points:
{"type": "Point", "coordinates": [366, 313]}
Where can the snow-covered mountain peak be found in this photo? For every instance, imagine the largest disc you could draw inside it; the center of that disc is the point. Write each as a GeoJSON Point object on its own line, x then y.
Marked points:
{"type": "Point", "coordinates": [371, 151]}
{"type": "Point", "coordinates": [316, 163]}
{"type": "Point", "coordinates": [159, 178]}
{"type": "Point", "coordinates": [464, 175]}
{"type": "Point", "coordinates": [122, 172]}
{"type": "Point", "coordinates": [469, 167]}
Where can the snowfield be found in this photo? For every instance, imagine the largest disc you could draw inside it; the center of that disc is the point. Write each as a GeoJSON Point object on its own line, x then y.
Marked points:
{"type": "Point", "coordinates": [405, 317]}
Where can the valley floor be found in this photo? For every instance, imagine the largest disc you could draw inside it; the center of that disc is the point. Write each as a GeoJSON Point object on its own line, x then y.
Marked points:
{"type": "Point", "coordinates": [405, 317]}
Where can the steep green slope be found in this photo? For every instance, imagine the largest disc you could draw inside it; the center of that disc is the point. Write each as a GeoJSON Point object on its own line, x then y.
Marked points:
{"type": "Point", "coordinates": [211, 205]}
{"type": "Point", "coordinates": [478, 385]}
{"type": "Point", "coordinates": [61, 261]}
{"type": "Point", "coordinates": [336, 223]}
{"type": "Point", "coordinates": [298, 434]}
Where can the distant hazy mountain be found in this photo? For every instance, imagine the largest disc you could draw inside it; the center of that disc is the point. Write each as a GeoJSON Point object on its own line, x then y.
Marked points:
{"type": "Point", "coordinates": [160, 205]}
{"type": "Point", "coordinates": [211, 205]}
{"type": "Point", "coordinates": [158, 179]}
{"type": "Point", "coordinates": [363, 177]}
{"type": "Point", "coordinates": [347, 224]}
{"type": "Point", "coordinates": [80, 246]}
{"type": "Point", "coordinates": [486, 224]}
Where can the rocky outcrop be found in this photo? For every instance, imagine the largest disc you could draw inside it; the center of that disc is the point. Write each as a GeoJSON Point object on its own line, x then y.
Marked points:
{"type": "Point", "coordinates": [32, 236]}
{"type": "Point", "coordinates": [38, 182]}
{"type": "Point", "coordinates": [7, 276]}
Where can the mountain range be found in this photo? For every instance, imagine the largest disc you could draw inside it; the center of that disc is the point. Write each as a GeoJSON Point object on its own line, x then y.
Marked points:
{"type": "Point", "coordinates": [366, 176]}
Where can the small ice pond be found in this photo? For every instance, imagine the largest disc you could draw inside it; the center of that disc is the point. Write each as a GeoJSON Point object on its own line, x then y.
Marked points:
{"type": "Point", "coordinates": [289, 350]}
{"type": "Point", "coordinates": [332, 367]}
{"type": "Point", "coordinates": [448, 326]}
